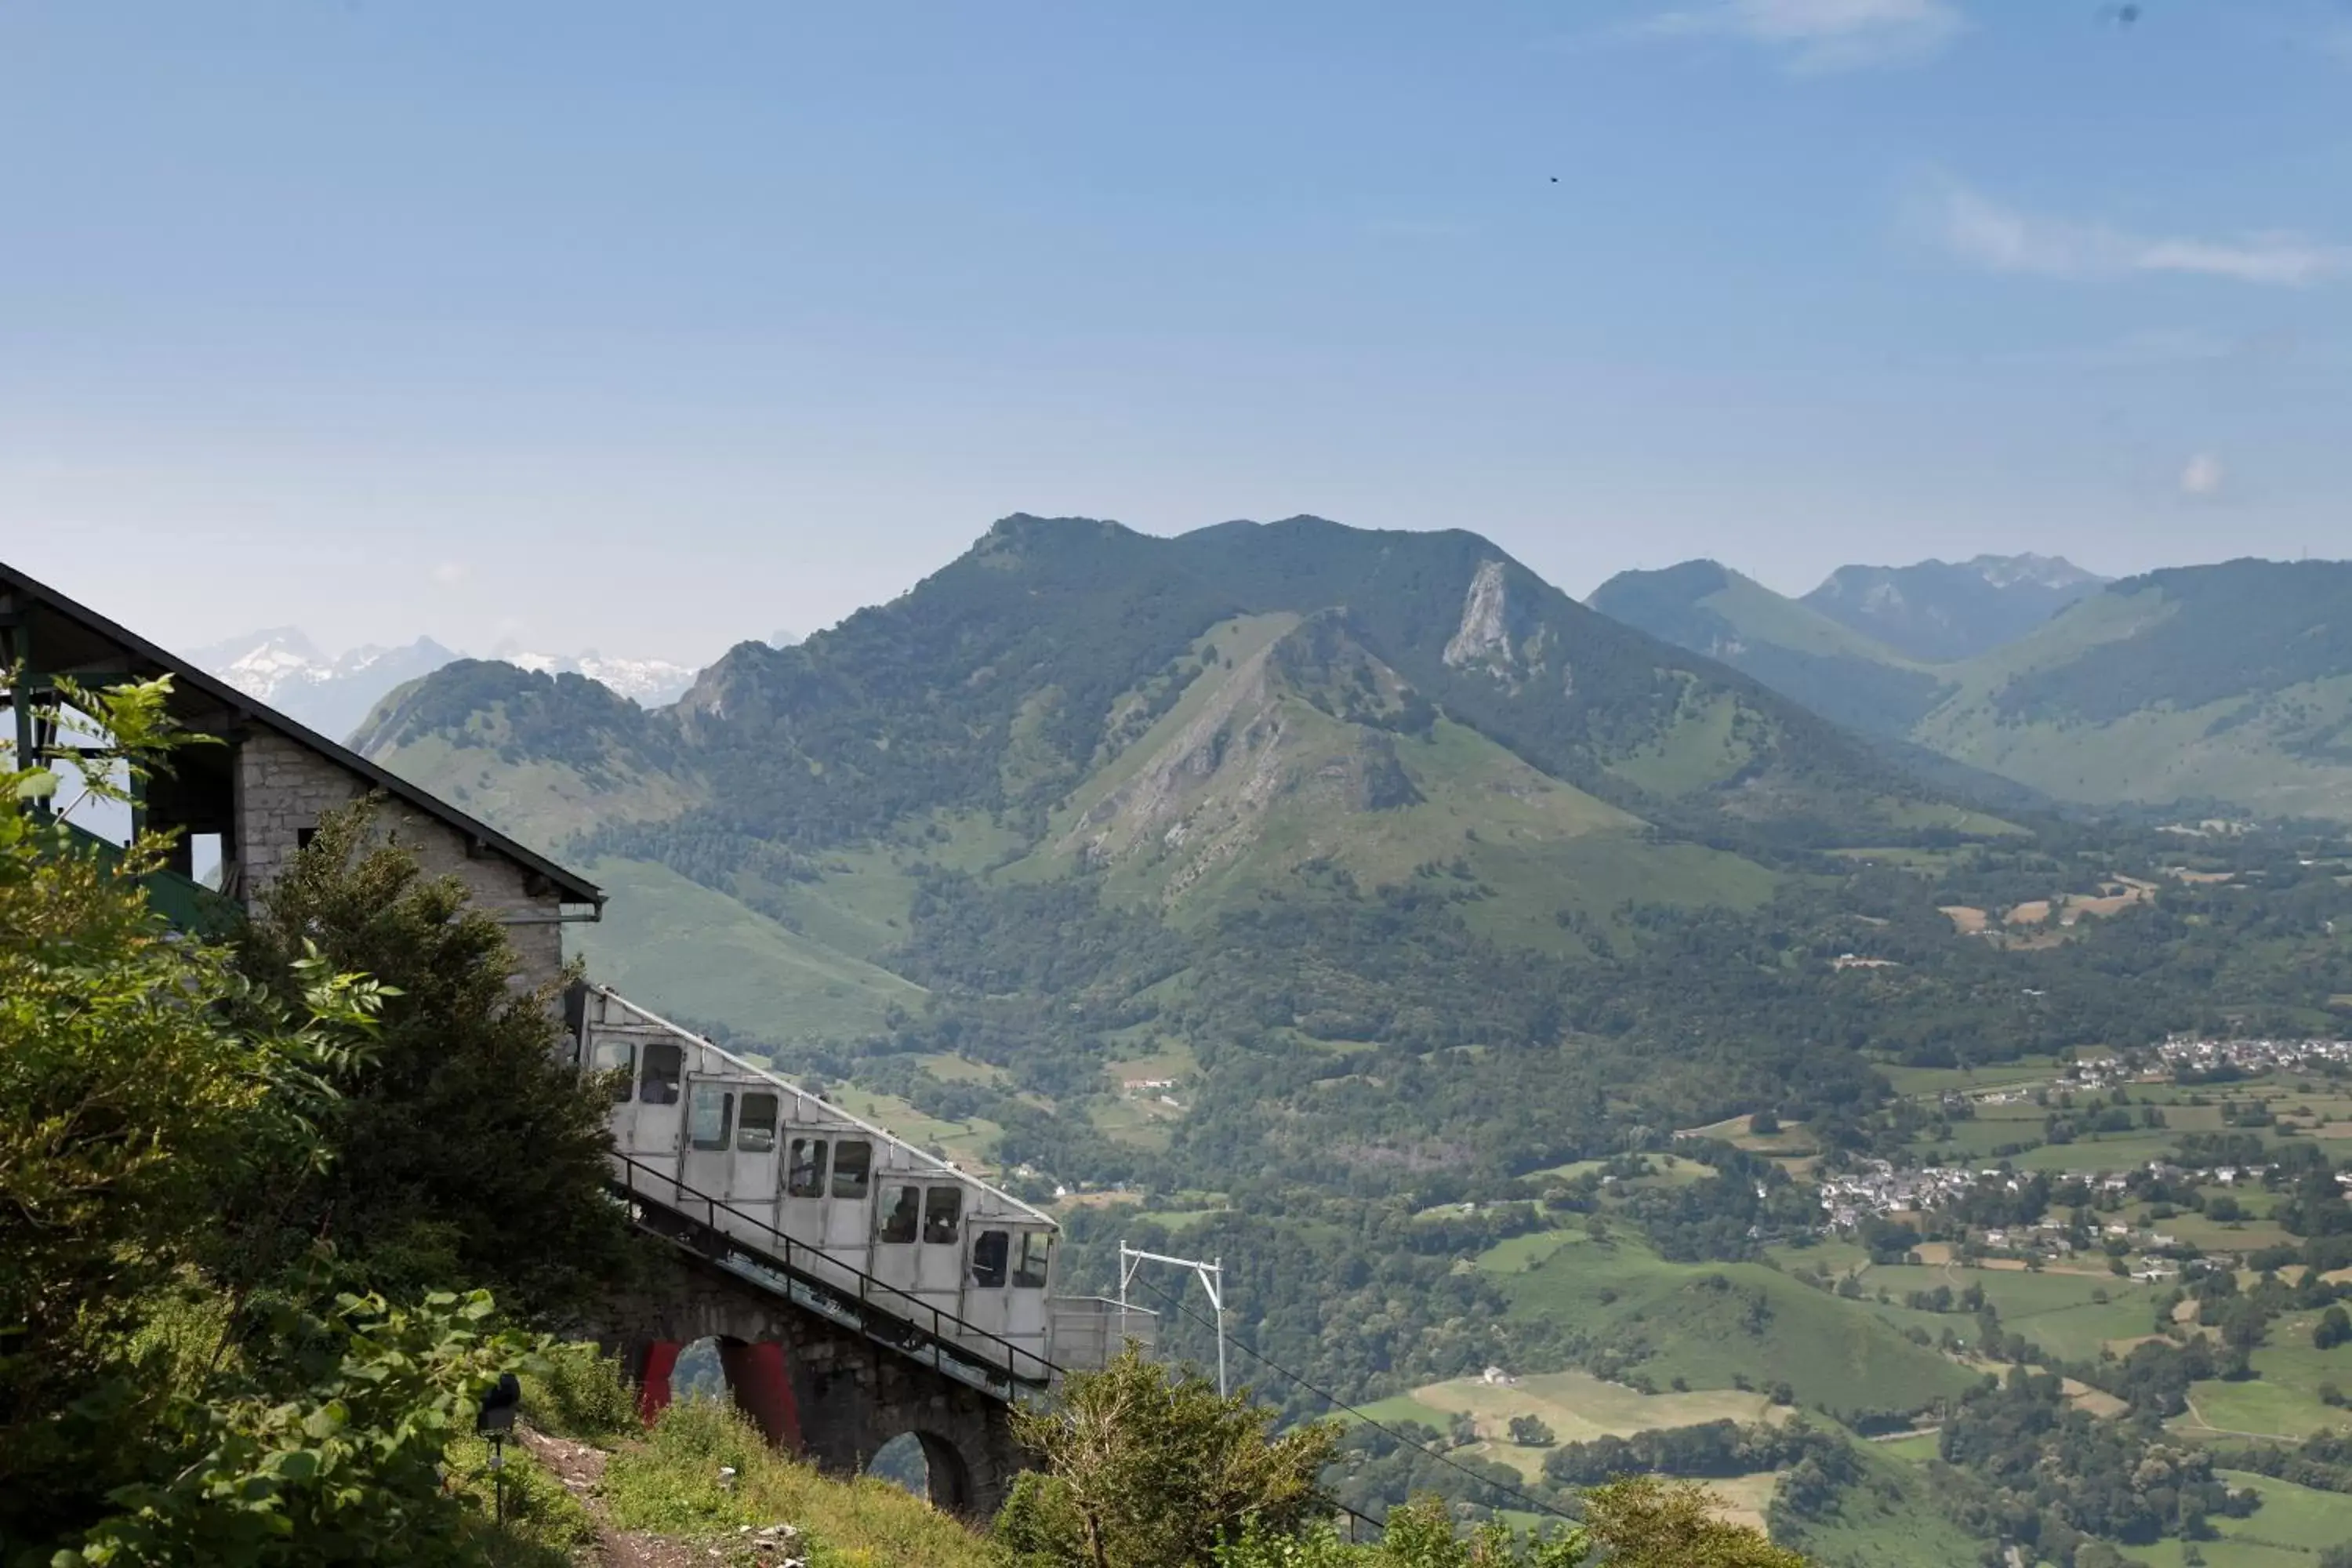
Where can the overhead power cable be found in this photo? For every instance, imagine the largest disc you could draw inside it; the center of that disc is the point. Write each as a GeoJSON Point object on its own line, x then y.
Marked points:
{"type": "Point", "coordinates": [1536, 1505]}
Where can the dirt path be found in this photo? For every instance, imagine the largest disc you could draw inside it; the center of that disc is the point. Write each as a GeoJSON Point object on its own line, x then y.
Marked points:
{"type": "Point", "coordinates": [581, 1467]}
{"type": "Point", "coordinates": [2204, 1425]}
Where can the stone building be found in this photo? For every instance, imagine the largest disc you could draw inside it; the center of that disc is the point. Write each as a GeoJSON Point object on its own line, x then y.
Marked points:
{"type": "Point", "coordinates": [244, 806]}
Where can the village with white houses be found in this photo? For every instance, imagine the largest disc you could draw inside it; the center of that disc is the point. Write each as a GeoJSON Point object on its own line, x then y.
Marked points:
{"type": "Point", "coordinates": [2134, 1196]}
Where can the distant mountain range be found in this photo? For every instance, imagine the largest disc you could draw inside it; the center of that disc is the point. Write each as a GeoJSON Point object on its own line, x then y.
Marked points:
{"type": "Point", "coordinates": [2229, 684]}
{"type": "Point", "coordinates": [284, 669]}
{"type": "Point", "coordinates": [1250, 711]}
{"type": "Point", "coordinates": [1938, 611]}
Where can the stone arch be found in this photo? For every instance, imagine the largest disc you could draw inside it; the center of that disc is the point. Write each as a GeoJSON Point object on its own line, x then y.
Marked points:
{"type": "Point", "coordinates": [948, 1480]}
{"type": "Point", "coordinates": [758, 1379]}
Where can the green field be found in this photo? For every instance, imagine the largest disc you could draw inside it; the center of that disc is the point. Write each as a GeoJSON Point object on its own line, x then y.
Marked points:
{"type": "Point", "coordinates": [1911, 1080]}
{"type": "Point", "coordinates": [2111, 1152]}
{"type": "Point", "coordinates": [2260, 1407]}
{"type": "Point", "coordinates": [1709, 1324]}
{"type": "Point", "coordinates": [1913, 1449]}
{"type": "Point", "coordinates": [1579, 1408]}
{"type": "Point", "coordinates": [967, 1143]}
{"type": "Point", "coordinates": [2293, 1525]}
{"type": "Point", "coordinates": [684, 950]}
{"type": "Point", "coordinates": [2060, 1312]}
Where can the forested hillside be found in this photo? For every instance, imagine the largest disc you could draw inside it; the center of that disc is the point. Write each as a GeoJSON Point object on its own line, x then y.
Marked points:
{"type": "Point", "coordinates": [2229, 683]}
{"type": "Point", "coordinates": [1357, 908]}
{"type": "Point", "coordinates": [2225, 688]}
{"type": "Point", "coordinates": [1841, 673]}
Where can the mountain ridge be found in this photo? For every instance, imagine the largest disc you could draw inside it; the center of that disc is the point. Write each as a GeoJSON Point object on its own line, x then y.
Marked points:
{"type": "Point", "coordinates": [2230, 682]}
{"type": "Point", "coordinates": [1190, 731]}
{"type": "Point", "coordinates": [1940, 611]}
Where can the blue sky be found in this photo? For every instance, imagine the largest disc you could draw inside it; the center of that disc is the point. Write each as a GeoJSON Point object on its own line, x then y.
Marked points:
{"type": "Point", "coordinates": [654, 327]}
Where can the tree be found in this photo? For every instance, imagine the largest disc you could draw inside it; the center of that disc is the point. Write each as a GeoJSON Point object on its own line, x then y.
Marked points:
{"type": "Point", "coordinates": [1148, 1467]}
{"type": "Point", "coordinates": [1419, 1534]}
{"type": "Point", "coordinates": [128, 1102]}
{"type": "Point", "coordinates": [165, 1401]}
{"type": "Point", "coordinates": [1529, 1432]}
{"type": "Point", "coordinates": [1645, 1522]}
{"type": "Point", "coordinates": [2334, 1327]}
{"type": "Point", "coordinates": [467, 1150]}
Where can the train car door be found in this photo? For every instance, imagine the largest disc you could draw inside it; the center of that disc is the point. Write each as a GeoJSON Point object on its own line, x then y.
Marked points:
{"type": "Point", "coordinates": [753, 1181]}
{"type": "Point", "coordinates": [828, 1190]}
{"type": "Point", "coordinates": [919, 1236]}
{"type": "Point", "coordinates": [650, 1071]}
{"type": "Point", "coordinates": [987, 1268]}
{"type": "Point", "coordinates": [709, 1155]}
{"type": "Point", "coordinates": [1027, 1286]}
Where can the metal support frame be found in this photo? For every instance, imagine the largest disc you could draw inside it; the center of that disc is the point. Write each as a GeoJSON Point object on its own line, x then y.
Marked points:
{"type": "Point", "coordinates": [1211, 1274]}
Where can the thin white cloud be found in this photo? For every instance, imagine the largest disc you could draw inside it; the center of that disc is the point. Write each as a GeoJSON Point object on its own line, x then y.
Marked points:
{"type": "Point", "coordinates": [2000, 238]}
{"type": "Point", "coordinates": [2203, 477]}
{"type": "Point", "coordinates": [449, 573]}
{"type": "Point", "coordinates": [1823, 35]}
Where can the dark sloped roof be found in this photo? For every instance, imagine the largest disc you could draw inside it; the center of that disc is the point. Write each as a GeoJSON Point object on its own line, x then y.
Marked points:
{"type": "Point", "coordinates": [187, 677]}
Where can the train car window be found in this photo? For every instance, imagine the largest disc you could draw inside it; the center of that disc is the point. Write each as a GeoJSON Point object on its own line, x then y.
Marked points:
{"type": "Point", "coordinates": [901, 1204]}
{"type": "Point", "coordinates": [989, 1251]}
{"type": "Point", "coordinates": [710, 1118]}
{"type": "Point", "coordinates": [618, 1056]}
{"type": "Point", "coordinates": [1036, 1253]}
{"type": "Point", "coordinates": [756, 1133]}
{"type": "Point", "coordinates": [803, 1167]}
{"type": "Point", "coordinates": [658, 1083]}
{"type": "Point", "coordinates": [853, 1165]}
{"type": "Point", "coordinates": [942, 1213]}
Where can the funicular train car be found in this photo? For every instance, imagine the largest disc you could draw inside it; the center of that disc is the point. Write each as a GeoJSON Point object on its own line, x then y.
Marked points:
{"type": "Point", "coordinates": [703, 1133]}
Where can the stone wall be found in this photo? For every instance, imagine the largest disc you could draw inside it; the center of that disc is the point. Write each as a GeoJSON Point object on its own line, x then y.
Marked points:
{"type": "Point", "coordinates": [283, 788]}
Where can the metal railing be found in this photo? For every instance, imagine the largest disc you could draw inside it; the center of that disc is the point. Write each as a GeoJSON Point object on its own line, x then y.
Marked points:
{"type": "Point", "coordinates": [817, 1280]}
{"type": "Point", "coordinates": [925, 1333]}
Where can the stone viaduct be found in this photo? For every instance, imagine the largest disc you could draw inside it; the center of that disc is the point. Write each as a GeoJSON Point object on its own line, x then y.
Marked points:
{"type": "Point", "coordinates": [830, 1394]}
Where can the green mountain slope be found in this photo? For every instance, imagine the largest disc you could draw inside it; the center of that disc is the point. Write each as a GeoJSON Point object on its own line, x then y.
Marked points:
{"type": "Point", "coordinates": [2228, 684]}
{"type": "Point", "coordinates": [1192, 729]}
{"type": "Point", "coordinates": [1839, 673]}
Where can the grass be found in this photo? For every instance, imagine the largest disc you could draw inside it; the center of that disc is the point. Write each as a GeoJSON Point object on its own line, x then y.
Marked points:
{"type": "Point", "coordinates": [2259, 1407]}
{"type": "Point", "coordinates": [1713, 1324]}
{"type": "Point", "coordinates": [544, 1525]}
{"type": "Point", "coordinates": [960, 1069]}
{"type": "Point", "coordinates": [1579, 1408]}
{"type": "Point", "coordinates": [2057, 1312]}
{"type": "Point", "coordinates": [1890, 1520]}
{"type": "Point", "coordinates": [1911, 1080]}
{"type": "Point", "coordinates": [681, 947]}
{"type": "Point", "coordinates": [1528, 844]}
{"type": "Point", "coordinates": [670, 1483]}
{"type": "Point", "coordinates": [540, 802]}
{"type": "Point", "coordinates": [1913, 1449]}
{"type": "Point", "coordinates": [969, 1144]}
{"type": "Point", "coordinates": [2113, 1152]}
{"type": "Point", "coordinates": [2293, 1525]}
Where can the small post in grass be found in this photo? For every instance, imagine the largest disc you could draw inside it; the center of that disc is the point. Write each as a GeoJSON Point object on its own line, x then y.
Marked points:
{"type": "Point", "coordinates": [497, 1419]}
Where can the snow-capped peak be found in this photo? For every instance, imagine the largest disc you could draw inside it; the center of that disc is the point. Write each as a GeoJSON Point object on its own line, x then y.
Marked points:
{"type": "Point", "coordinates": [2041, 571]}
{"type": "Point", "coordinates": [650, 682]}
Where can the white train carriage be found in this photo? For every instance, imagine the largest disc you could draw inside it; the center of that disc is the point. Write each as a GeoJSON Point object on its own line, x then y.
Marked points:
{"type": "Point", "coordinates": [790, 1176]}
